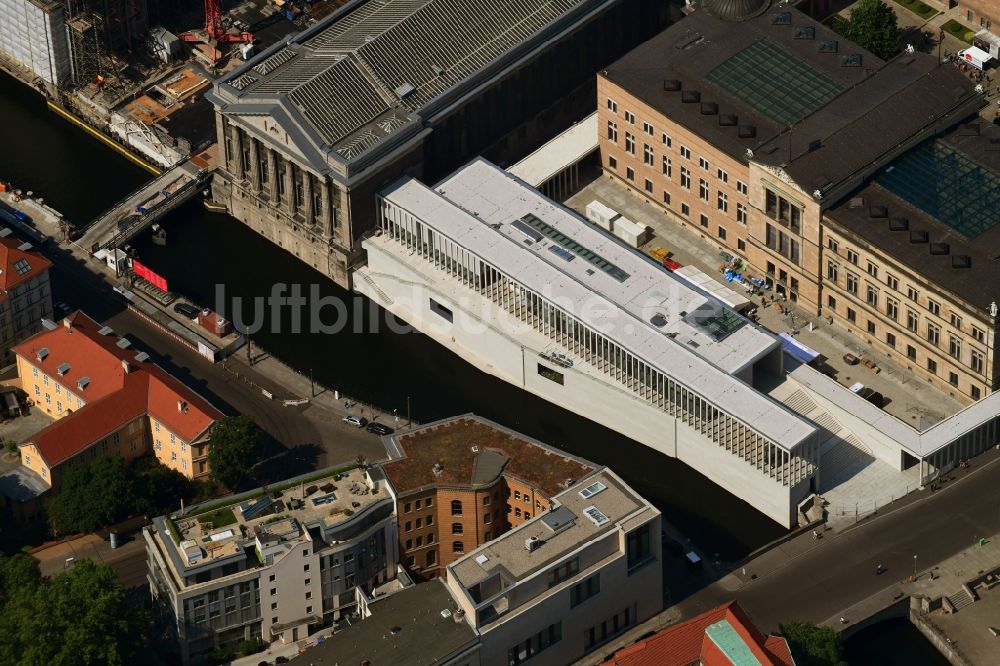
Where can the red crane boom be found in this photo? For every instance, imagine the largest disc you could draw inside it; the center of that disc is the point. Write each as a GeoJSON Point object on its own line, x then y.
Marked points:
{"type": "Point", "coordinates": [214, 28]}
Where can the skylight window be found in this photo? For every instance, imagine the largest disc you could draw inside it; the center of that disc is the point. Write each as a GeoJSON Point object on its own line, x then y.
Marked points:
{"type": "Point", "coordinates": [592, 490]}
{"type": "Point", "coordinates": [595, 515]}
{"type": "Point", "coordinates": [21, 266]}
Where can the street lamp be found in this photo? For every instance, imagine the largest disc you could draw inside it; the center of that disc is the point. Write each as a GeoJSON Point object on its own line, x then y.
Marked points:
{"type": "Point", "coordinates": [914, 567]}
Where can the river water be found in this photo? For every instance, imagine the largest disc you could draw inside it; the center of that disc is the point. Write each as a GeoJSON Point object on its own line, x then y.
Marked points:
{"type": "Point", "coordinates": [80, 177]}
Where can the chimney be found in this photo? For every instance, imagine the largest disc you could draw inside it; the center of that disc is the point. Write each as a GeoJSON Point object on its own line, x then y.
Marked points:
{"type": "Point", "coordinates": [126, 367]}
{"type": "Point", "coordinates": [68, 324]}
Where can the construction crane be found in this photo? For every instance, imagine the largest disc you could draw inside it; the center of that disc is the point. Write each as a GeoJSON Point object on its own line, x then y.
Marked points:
{"type": "Point", "coordinates": [214, 29]}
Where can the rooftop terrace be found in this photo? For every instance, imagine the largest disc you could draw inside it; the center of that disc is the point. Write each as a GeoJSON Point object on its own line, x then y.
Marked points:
{"type": "Point", "coordinates": [467, 448]}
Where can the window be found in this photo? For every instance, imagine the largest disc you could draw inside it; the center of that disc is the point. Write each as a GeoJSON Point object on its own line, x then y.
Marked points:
{"type": "Point", "coordinates": [667, 167]}
{"type": "Point", "coordinates": [722, 175]}
{"type": "Point", "coordinates": [666, 197]}
{"type": "Point", "coordinates": [703, 189]}
{"type": "Point", "coordinates": [741, 213]}
{"type": "Point", "coordinates": [892, 282]}
{"type": "Point", "coordinates": [933, 334]}
{"type": "Point", "coordinates": [550, 374]}
{"type": "Point", "coordinates": [608, 629]}
{"type": "Point", "coordinates": [955, 347]}
{"type": "Point", "coordinates": [892, 308]}
{"type": "Point", "coordinates": [932, 365]}
{"type": "Point", "coordinates": [973, 391]}
{"type": "Point", "coordinates": [976, 361]}
{"type": "Point", "coordinates": [685, 178]}
{"type": "Point", "coordinates": [871, 296]}
{"type": "Point", "coordinates": [629, 143]}
{"type": "Point", "coordinates": [890, 340]}
{"type": "Point", "coordinates": [852, 257]}
{"type": "Point", "coordinates": [831, 303]}
{"type": "Point", "coordinates": [704, 220]}
{"type": "Point", "coordinates": [979, 334]}
{"type": "Point", "coordinates": [456, 528]}
{"type": "Point", "coordinates": [934, 307]}
{"type": "Point", "coordinates": [722, 233]}
{"type": "Point", "coordinates": [409, 544]}
{"type": "Point", "coordinates": [647, 128]}
{"type": "Point", "coordinates": [833, 245]}
{"type": "Point", "coordinates": [420, 541]}
{"type": "Point", "coordinates": [564, 571]}
{"type": "Point", "coordinates": [630, 173]}
{"type": "Point", "coordinates": [912, 294]}
{"type": "Point", "coordinates": [852, 283]}
{"type": "Point", "coordinates": [408, 527]}
{"type": "Point", "coordinates": [832, 271]}
{"type": "Point", "coordinates": [431, 558]}
{"type": "Point", "coordinates": [441, 311]}
{"type": "Point", "coordinates": [852, 316]}
{"type": "Point", "coordinates": [630, 117]}
{"type": "Point", "coordinates": [912, 321]}
{"type": "Point", "coordinates": [911, 352]}
{"type": "Point", "coordinates": [416, 504]}
{"type": "Point", "coordinates": [429, 502]}
{"type": "Point", "coordinates": [742, 188]}
{"type": "Point", "coordinates": [871, 327]}
{"type": "Point", "coordinates": [956, 321]}
{"type": "Point", "coordinates": [457, 547]}
{"type": "Point", "coordinates": [722, 202]}
{"type": "Point", "coordinates": [584, 590]}
{"type": "Point", "coordinates": [953, 378]}
{"type": "Point", "coordinates": [637, 547]}
{"type": "Point", "coordinates": [517, 512]}
{"type": "Point", "coordinates": [612, 162]}
{"type": "Point", "coordinates": [703, 163]}
{"type": "Point", "coordinates": [647, 154]}
{"type": "Point", "coordinates": [456, 507]}
{"type": "Point", "coordinates": [419, 522]}
{"type": "Point", "coordinates": [517, 494]}
{"type": "Point", "coordinates": [613, 131]}
{"type": "Point", "coordinates": [487, 518]}
{"type": "Point", "coordinates": [685, 152]}
{"type": "Point", "coordinates": [486, 500]}
{"type": "Point", "coordinates": [525, 650]}
{"type": "Point", "coordinates": [613, 105]}
{"type": "Point", "coordinates": [872, 270]}
{"type": "Point", "coordinates": [667, 141]}
{"type": "Point", "coordinates": [648, 185]}
{"type": "Point", "coordinates": [782, 243]}
{"type": "Point", "coordinates": [685, 210]}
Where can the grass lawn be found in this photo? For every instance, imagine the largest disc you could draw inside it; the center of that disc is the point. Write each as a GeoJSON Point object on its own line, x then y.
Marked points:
{"type": "Point", "coordinates": [219, 518]}
{"type": "Point", "coordinates": [918, 8]}
{"type": "Point", "coordinates": [956, 29]}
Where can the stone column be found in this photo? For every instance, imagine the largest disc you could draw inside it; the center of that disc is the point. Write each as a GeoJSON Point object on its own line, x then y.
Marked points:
{"type": "Point", "coordinates": [254, 164]}
{"type": "Point", "coordinates": [307, 199]}
{"type": "Point", "coordinates": [325, 212]}
{"type": "Point", "coordinates": [272, 176]}
{"type": "Point", "coordinates": [289, 187]}
{"type": "Point", "coordinates": [237, 151]}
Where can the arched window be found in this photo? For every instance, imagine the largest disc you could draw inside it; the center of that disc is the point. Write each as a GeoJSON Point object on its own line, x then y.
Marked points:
{"type": "Point", "coordinates": [456, 528]}
{"type": "Point", "coordinates": [457, 547]}
{"type": "Point", "coordinates": [456, 507]}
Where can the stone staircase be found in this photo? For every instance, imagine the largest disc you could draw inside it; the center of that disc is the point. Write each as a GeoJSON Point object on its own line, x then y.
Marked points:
{"type": "Point", "coordinates": [960, 600]}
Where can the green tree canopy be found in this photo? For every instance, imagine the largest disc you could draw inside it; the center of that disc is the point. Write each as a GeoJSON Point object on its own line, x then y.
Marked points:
{"type": "Point", "coordinates": [873, 26]}
{"type": "Point", "coordinates": [237, 444]}
{"type": "Point", "coordinates": [78, 618]}
{"type": "Point", "coordinates": [92, 495]}
{"type": "Point", "coordinates": [812, 645]}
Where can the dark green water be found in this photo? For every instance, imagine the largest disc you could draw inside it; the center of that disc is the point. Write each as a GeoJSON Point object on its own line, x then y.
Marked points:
{"type": "Point", "coordinates": [81, 177]}
{"type": "Point", "coordinates": [891, 643]}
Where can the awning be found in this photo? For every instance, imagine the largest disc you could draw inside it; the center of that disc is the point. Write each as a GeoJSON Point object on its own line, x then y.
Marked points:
{"type": "Point", "coordinates": [796, 349]}
{"type": "Point", "coordinates": [974, 56]}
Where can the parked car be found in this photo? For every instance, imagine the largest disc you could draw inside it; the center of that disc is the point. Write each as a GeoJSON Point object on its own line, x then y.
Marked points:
{"type": "Point", "coordinates": [186, 309]}
{"type": "Point", "coordinates": [358, 421]}
{"type": "Point", "coordinates": [380, 428]}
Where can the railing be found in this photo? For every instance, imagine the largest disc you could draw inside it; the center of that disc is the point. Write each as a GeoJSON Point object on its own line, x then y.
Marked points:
{"type": "Point", "coordinates": [153, 214]}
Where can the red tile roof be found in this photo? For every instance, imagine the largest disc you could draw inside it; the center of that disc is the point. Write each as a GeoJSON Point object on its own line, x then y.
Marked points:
{"type": "Point", "coordinates": [113, 396]}
{"type": "Point", "coordinates": [687, 643]}
{"type": "Point", "coordinates": [9, 256]}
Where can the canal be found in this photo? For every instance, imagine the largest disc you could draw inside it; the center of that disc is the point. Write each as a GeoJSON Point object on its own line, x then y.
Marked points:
{"type": "Point", "coordinates": [893, 642]}
{"type": "Point", "coordinates": [366, 358]}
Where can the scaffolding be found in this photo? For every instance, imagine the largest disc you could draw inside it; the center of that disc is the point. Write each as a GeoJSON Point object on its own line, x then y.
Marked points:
{"type": "Point", "coordinates": [86, 42]}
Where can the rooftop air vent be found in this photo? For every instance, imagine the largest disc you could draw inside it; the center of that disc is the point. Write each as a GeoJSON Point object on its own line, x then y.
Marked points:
{"type": "Point", "coordinates": [404, 90]}
{"type": "Point", "coordinates": [24, 247]}
{"type": "Point", "coordinates": [106, 330]}
{"type": "Point", "coordinates": [878, 212]}
{"type": "Point", "coordinates": [899, 224]}
{"type": "Point", "coordinates": [438, 469]}
{"type": "Point", "coordinates": [918, 236]}
{"type": "Point", "coordinates": [438, 70]}
{"type": "Point", "coordinates": [690, 96]}
{"type": "Point", "coordinates": [961, 261]}
{"type": "Point", "coordinates": [531, 544]}
{"type": "Point", "coordinates": [747, 131]}
{"type": "Point", "coordinates": [709, 108]}
{"type": "Point", "coordinates": [475, 448]}
{"type": "Point", "coordinates": [828, 46]}
{"type": "Point", "coordinates": [82, 382]}
{"type": "Point", "coordinates": [940, 248]}
{"type": "Point", "coordinates": [658, 320]}
{"type": "Point", "coordinates": [671, 85]}
{"type": "Point", "coordinates": [805, 32]}
{"type": "Point", "coordinates": [5, 232]}
{"type": "Point", "coordinates": [182, 406]}
{"type": "Point", "coordinates": [856, 202]}
{"type": "Point", "coordinates": [42, 354]}
{"type": "Point", "coordinates": [123, 343]}
{"type": "Point", "coordinates": [62, 369]}
{"type": "Point", "coordinates": [728, 119]}
{"type": "Point", "coordinates": [781, 18]}
{"type": "Point", "coordinates": [850, 60]}
{"type": "Point", "coordinates": [142, 356]}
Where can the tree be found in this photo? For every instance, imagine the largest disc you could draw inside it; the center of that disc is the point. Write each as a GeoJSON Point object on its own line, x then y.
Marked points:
{"type": "Point", "coordinates": [158, 488]}
{"type": "Point", "coordinates": [11, 446]}
{"type": "Point", "coordinates": [873, 26]}
{"type": "Point", "coordinates": [236, 445]}
{"type": "Point", "coordinates": [812, 645]}
{"type": "Point", "coordinates": [92, 495]}
{"type": "Point", "coordinates": [80, 617]}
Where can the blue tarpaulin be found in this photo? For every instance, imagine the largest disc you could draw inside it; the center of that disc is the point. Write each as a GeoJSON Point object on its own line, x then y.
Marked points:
{"type": "Point", "coordinates": [796, 349]}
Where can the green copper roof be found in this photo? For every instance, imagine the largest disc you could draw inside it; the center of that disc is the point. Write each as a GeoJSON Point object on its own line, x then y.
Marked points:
{"type": "Point", "coordinates": [731, 644]}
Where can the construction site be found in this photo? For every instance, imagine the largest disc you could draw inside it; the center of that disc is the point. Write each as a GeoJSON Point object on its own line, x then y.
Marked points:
{"type": "Point", "coordinates": [134, 70]}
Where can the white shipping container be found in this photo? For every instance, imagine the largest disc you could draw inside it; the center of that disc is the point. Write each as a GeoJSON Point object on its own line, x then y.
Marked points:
{"type": "Point", "coordinates": [632, 233]}
{"type": "Point", "coordinates": [601, 215]}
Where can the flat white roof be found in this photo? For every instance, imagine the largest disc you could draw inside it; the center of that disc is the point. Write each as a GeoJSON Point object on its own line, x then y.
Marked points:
{"type": "Point", "coordinates": [619, 294]}
{"type": "Point", "coordinates": [568, 148]}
